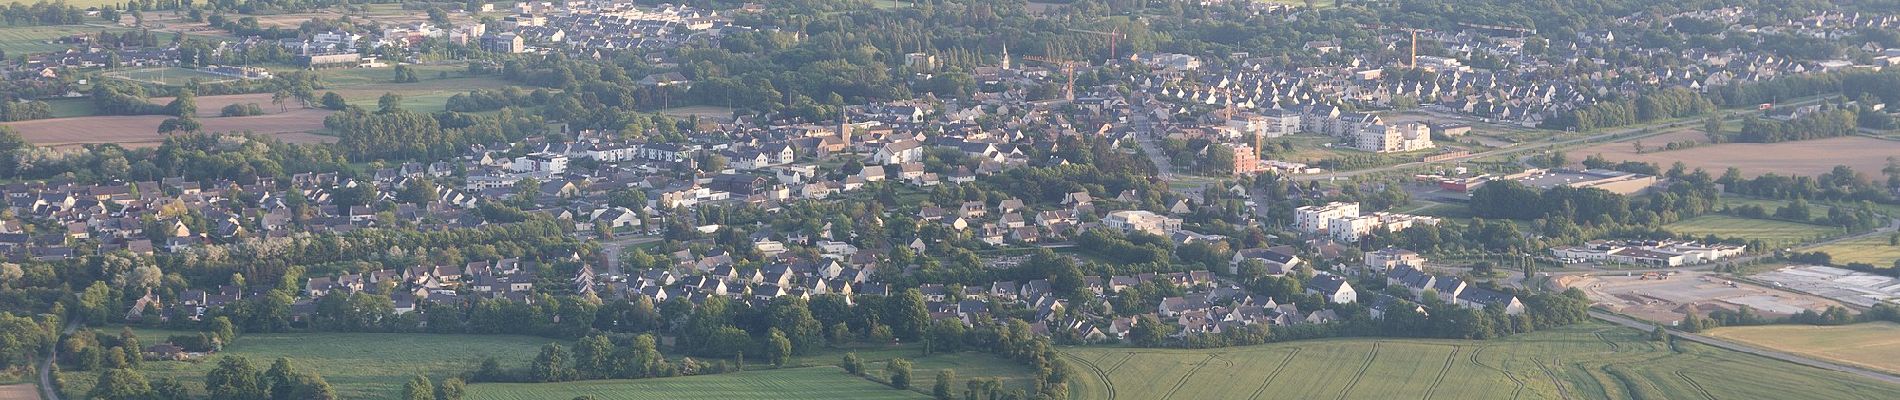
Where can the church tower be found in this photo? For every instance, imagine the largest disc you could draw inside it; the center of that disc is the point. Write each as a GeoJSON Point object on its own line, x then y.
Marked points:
{"type": "Point", "coordinates": [1005, 65]}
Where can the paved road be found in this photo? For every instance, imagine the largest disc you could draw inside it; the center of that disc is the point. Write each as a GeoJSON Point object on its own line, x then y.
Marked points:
{"type": "Point", "coordinates": [47, 391]}
{"type": "Point", "coordinates": [1793, 358]}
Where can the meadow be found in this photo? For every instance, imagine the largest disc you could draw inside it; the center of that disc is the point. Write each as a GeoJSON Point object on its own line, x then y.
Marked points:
{"type": "Point", "coordinates": [813, 383]}
{"type": "Point", "coordinates": [21, 40]}
{"type": "Point", "coordinates": [358, 365]}
{"type": "Point", "coordinates": [1589, 361]}
{"type": "Point", "coordinates": [1870, 345]}
{"type": "Point", "coordinates": [1775, 233]}
{"type": "Point", "coordinates": [1872, 249]}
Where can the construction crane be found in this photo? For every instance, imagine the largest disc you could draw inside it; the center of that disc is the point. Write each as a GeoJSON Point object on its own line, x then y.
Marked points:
{"type": "Point", "coordinates": [1114, 36]}
{"type": "Point", "coordinates": [1412, 61]}
{"type": "Point", "coordinates": [1068, 67]}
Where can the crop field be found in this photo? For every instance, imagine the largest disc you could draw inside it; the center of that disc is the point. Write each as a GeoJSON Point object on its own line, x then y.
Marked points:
{"type": "Point", "coordinates": [814, 383]}
{"type": "Point", "coordinates": [1584, 361]}
{"type": "Point", "coordinates": [359, 365]}
{"type": "Point", "coordinates": [142, 130]}
{"type": "Point", "coordinates": [1871, 345]}
{"type": "Point", "coordinates": [20, 40]}
{"type": "Point", "coordinates": [1800, 158]}
{"type": "Point", "coordinates": [1873, 249]}
{"type": "Point", "coordinates": [1776, 233]}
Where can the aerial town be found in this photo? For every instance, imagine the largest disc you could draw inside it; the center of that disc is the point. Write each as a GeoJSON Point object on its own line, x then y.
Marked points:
{"type": "Point", "coordinates": [946, 199]}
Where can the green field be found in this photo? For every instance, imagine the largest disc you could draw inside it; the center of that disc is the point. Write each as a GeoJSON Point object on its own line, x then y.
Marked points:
{"type": "Point", "coordinates": [359, 365]}
{"type": "Point", "coordinates": [1584, 361]}
{"type": "Point", "coordinates": [1872, 249]}
{"type": "Point", "coordinates": [1869, 345]}
{"type": "Point", "coordinates": [362, 87]}
{"type": "Point", "coordinates": [21, 40]}
{"type": "Point", "coordinates": [813, 376]}
{"type": "Point", "coordinates": [169, 76]}
{"type": "Point", "coordinates": [1776, 233]}
{"type": "Point", "coordinates": [74, 107]}
{"type": "Point", "coordinates": [815, 383]}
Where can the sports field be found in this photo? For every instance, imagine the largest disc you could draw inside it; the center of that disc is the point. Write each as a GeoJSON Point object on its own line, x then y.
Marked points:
{"type": "Point", "coordinates": [1872, 249]}
{"type": "Point", "coordinates": [1871, 345]}
{"type": "Point", "coordinates": [1584, 361]}
{"type": "Point", "coordinates": [814, 383]}
{"type": "Point", "coordinates": [1776, 233]}
{"type": "Point", "coordinates": [359, 365]}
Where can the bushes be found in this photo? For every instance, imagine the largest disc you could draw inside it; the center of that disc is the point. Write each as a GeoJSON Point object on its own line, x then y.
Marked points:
{"type": "Point", "coordinates": [241, 110]}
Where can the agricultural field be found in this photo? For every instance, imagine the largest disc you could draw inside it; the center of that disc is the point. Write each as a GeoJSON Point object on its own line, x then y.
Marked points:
{"type": "Point", "coordinates": [20, 40]}
{"type": "Point", "coordinates": [1872, 249]}
{"type": "Point", "coordinates": [142, 130]}
{"type": "Point", "coordinates": [359, 365]}
{"type": "Point", "coordinates": [1801, 158]}
{"type": "Point", "coordinates": [813, 383]}
{"type": "Point", "coordinates": [1776, 233]}
{"type": "Point", "coordinates": [1589, 361]}
{"type": "Point", "coordinates": [1870, 345]}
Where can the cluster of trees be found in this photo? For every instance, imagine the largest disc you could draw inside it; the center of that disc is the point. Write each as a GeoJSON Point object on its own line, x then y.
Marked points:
{"type": "Point", "coordinates": [394, 133]}
{"type": "Point", "coordinates": [23, 338]}
{"type": "Point", "coordinates": [600, 356]}
{"type": "Point", "coordinates": [1816, 125]}
{"type": "Point", "coordinates": [1136, 248]}
{"type": "Point", "coordinates": [489, 100]}
{"type": "Point", "coordinates": [1645, 107]}
{"type": "Point", "coordinates": [1841, 184]}
{"type": "Point", "coordinates": [12, 109]}
{"type": "Point", "coordinates": [42, 13]}
{"type": "Point", "coordinates": [1443, 320]}
{"type": "Point", "coordinates": [241, 110]}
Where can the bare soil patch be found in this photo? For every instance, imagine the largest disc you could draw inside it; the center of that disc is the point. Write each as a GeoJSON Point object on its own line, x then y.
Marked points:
{"type": "Point", "coordinates": [24, 391]}
{"type": "Point", "coordinates": [1669, 300]}
{"type": "Point", "coordinates": [142, 130]}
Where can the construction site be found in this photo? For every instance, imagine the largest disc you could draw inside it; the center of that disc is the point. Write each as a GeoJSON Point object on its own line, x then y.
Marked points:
{"type": "Point", "coordinates": [1668, 297]}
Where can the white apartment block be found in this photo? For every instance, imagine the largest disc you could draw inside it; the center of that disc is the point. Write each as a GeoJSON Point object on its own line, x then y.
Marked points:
{"type": "Point", "coordinates": [1394, 138]}
{"type": "Point", "coordinates": [1316, 219]}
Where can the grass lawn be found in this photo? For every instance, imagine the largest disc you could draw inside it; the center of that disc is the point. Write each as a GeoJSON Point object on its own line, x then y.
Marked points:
{"type": "Point", "coordinates": [1775, 232]}
{"type": "Point", "coordinates": [1872, 249]}
{"type": "Point", "coordinates": [21, 40]}
{"type": "Point", "coordinates": [815, 383]}
{"type": "Point", "coordinates": [359, 365]}
{"type": "Point", "coordinates": [1584, 361]}
{"type": "Point", "coordinates": [364, 86]}
{"type": "Point", "coordinates": [79, 107]}
{"type": "Point", "coordinates": [1871, 345]}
